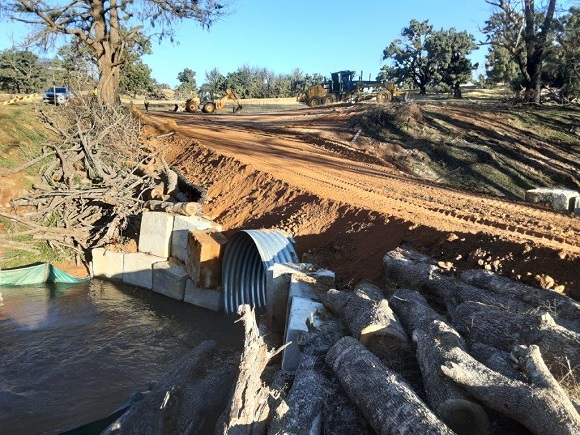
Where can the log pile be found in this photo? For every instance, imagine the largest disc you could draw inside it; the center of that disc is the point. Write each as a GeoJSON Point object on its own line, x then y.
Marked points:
{"type": "Point", "coordinates": [483, 370]}
{"type": "Point", "coordinates": [95, 179]}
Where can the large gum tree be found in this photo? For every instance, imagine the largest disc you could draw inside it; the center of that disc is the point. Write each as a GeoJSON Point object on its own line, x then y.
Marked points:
{"type": "Point", "coordinates": [106, 27]}
{"type": "Point", "coordinates": [523, 29]}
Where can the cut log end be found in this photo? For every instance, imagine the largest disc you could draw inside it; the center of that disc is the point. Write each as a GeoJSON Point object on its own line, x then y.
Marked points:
{"type": "Point", "coordinates": [464, 417]}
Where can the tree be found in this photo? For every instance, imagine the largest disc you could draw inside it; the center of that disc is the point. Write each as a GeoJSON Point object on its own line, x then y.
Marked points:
{"type": "Point", "coordinates": [136, 78]}
{"type": "Point", "coordinates": [428, 57]}
{"type": "Point", "coordinates": [21, 72]}
{"type": "Point", "coordinates": [500, 67]}
{"type": "Point", "coordinates": [448, 50]}
{"type": "Point", "coordinates": [187, 83]}
{"type": "Point", "coordinates": [215, 81]}
{"type": "Point", "coordinates": [410, 55]}
{"type": "Point", "coordinates": [524, 32]}
{"type": "Point", "coordinates": [98, 26]}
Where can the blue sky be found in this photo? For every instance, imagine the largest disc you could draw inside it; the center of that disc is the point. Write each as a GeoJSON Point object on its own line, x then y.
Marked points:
{"type": "Point", "coordinates": [316, 36]}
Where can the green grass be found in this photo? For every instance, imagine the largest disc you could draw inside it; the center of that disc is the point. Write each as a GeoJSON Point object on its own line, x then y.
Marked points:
{"type": "Point", "coordinates": [21, 135]}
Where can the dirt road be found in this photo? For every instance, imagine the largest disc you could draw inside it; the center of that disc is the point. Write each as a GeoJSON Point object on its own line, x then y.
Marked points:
{"type": "Point", "coordinates": [297, 170]}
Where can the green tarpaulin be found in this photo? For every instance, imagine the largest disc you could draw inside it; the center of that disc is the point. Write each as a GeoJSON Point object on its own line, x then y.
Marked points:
{"type": "Point", "coordinates": [37, 274]}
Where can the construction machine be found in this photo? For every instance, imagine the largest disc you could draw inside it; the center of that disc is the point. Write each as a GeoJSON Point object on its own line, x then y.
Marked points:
{"type": "Point", "coordinates": [343, 87]}
{"type": "Point", "coordinates": [207, 104]}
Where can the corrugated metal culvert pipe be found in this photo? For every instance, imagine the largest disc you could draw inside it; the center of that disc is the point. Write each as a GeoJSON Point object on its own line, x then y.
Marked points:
{"type": "Point", "coordinates": [247, 257]}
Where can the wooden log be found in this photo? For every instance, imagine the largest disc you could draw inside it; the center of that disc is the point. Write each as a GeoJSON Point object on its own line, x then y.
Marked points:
{"type": "Point", "coordinates": [246, 412]}
{"type": "Point", "coordinates": [181, 208]}
{"type": "Point", "coordinates": [366, 313]}
{"type": "Point", "coordinates": [387, 402]}
{"type": "Point", "coordinates": [503, 329]}
{"type": "Point", "coordinates": [496, 359]}
{"type": "Point", "coordinates": [413, 270]}
{"type": "Point", "coordinates": [436, 341]}
{"type": "Point", "coordinates": [187, 398]}
{"type": "Point", "coordinates": [563, 309]}
{"type": "Point", "coordinates": [172, 178]}
{"type": "Point", "coordinates": [315, 389]}
{"type": "Point", "coordinates": [541, 404]}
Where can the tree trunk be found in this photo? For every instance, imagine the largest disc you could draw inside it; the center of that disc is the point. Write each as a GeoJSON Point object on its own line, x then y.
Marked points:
{"type": "Point", "coordinates": [247, 410]}
{"type": "Point", "coordinates": [436, 342]}
{"type": "Point", "coordinates": [385, 399]}
{"type": "Point", "coordinates": [413, 270]}
{"type": "Point", "coordinates": [187, 398]}
{"type": "Point", "coordinates": [541, 406]}
{"type": "Point", "coordinates": [366, 313]}
{"type": "Point", "coordinates": [503, 329]}
{"type": "Point", "coordinates": [315, 390]}
{"type": "Point", "coordinates": [457, 91]}
{"type": "Point", "coordinates": [564, 310]}
{"type": "Point", "coordinates": [109, 80]}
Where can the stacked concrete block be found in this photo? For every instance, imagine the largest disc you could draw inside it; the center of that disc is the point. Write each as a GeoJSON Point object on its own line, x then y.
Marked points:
{"type": "Point", "coordinates": [182, 225]}
{"type": "Point", "coordinates": [155, 234]}
{"type": "Point", "coordinates": [137, 269]}
{"type": "Point", "coordinates": [107, 264]}
{"type": "Point", "coordinates": [203, 297]}
{"type": "Point", "coordinates": [203, 259]}
{"type": "Point", "coordinates": [565, 200]}
{"type": "Point", "coordinates": [287, 280]}
{"type": "Point", "coordinates": [169, 279]}
{"type": "Point", "coordinates": [301, 309]}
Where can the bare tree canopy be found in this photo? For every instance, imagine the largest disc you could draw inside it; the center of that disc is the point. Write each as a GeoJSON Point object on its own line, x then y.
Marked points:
{"type": "Point", "coordinates": [105, 27]}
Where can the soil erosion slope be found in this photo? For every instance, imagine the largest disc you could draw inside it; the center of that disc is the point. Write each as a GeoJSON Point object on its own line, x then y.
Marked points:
{"type": "Point", "coordinates": [296, 171]}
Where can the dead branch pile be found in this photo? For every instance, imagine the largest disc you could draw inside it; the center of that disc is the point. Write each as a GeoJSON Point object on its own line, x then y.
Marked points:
{"type": "Point", "coordinates": [96, 178]}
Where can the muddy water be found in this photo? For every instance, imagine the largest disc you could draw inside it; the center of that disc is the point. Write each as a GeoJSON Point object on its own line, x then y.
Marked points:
{"type": "Point", "coordinates": [70, 355]}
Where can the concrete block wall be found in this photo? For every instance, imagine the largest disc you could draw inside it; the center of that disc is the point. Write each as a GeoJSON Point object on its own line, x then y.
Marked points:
{"type": "Point", "coordinates": [107, 264]}
{"type": "Point", "coordinates": [138, 269]}
{"type": "Point", "coordinates": [155, 234]}
{"type": "Point", "coordinates": [164, 264]}
{"type": "Point", "coordinates": [203, 297]}
{"type": "Point", "coordinates": [169, 279]}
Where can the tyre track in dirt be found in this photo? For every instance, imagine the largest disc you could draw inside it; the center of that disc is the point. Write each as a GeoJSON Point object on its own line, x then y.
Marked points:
{"type": "Point", "coordinates": [294, 158]}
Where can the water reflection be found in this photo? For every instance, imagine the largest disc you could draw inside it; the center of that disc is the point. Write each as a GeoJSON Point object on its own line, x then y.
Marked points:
{"type": "Point", "coordinates": [69, 355]}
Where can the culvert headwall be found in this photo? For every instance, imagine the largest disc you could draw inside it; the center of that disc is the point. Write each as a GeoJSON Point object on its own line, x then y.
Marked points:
{"type": "Point", "coordinates": [247, 257]}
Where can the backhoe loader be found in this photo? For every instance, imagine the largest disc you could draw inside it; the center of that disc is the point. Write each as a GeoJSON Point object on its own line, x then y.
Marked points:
{"type": "Point", "coordinates": [209, 105]}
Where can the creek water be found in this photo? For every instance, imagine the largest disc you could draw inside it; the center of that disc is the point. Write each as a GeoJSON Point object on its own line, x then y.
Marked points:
{"type": "Point", "coordinates": [72, 354]}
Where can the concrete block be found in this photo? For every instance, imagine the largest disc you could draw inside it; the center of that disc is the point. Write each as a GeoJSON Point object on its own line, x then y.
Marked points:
{"type": "Point", "coordinates": [107, 264]}
{"type": "Point", "coordinates": [203, 262]}
{"type": "Point", "coordinates": [300, 310]}
{"type": "Point", "coordinates": [169, 279]}
{"type": "Point", "coordinates": [565, 200]}
{"type": "Point", "coordinates": [155, 234]}
{"type": "Point", "coordinates": [182, 225]}
{"type": "Point", "coordinates": [137, 269]}
{"type": "Point", "coordinates": [286, 280]}
{"type": "Point", "coordinates": [203, 297]}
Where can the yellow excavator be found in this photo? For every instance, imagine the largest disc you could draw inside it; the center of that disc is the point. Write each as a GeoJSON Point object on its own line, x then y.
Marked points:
{"type": "Point", "coordinates": [210, 105]}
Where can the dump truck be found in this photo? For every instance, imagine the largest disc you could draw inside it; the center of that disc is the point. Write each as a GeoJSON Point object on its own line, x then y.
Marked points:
{"type": "Point", "coordinates": [343, 87]}
{"type": "Point", "coordinates": [207, 104]}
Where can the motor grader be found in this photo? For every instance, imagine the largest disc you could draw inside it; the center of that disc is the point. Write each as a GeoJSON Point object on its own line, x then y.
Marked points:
{"type": "Point", "coordinates": [207, 104]}
{"type": "Point", "coordinates": [342, 87]}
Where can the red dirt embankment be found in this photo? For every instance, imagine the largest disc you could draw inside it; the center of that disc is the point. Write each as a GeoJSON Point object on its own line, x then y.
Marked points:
{"type": "Point", "coordinates": [297, 171]}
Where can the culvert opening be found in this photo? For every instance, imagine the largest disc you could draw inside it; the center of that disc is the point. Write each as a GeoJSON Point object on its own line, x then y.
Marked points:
{"type": "Point", "coordinates": [247, 257]}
